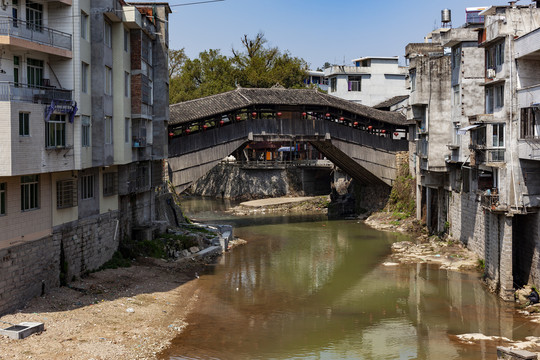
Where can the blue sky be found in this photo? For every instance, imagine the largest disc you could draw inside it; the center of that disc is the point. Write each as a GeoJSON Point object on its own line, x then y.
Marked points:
{"type": "Point", "coordinates": [315, 30]}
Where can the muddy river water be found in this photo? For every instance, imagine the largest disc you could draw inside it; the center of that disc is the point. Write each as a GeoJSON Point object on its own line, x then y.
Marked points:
{"type": "Point", "coordinates": [305, 287]}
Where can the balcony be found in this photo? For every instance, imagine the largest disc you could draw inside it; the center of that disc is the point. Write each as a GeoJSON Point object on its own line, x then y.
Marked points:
{"type": "Point", "coordinates": [490, 200]}
{"type": "Point", "coordinates": [10, 91]}
{"type": "Point", "coordinates": [36, 37]}
{"type": "Point", "coordinates": [489, 156]}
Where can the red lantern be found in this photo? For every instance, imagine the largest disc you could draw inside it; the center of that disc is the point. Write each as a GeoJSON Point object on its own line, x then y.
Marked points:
{"type": "Point", "coordinates": [279, 114]}
{"type": "Point", "coordinates": [254, 114]}
{"type": "Point", "coordinates": [238, 118]}
{"type": "Point", "coordinates": [221, 122]}
{"type": "Point", "coordinates": [171, 134]}
{"type": "Point", "coordinates": [327, 114]}
{"type": "Point", "coordinates": [383, 131]}
{"type": "Point", "coordinates": [341, 118]}
{"type": "Point", "coordinates": [355, 123]}
{"type": "Point", "coordinates": [396, 133]}
{"type": "Point", "coordinates": [188, 131]}
{"type": "Point", "coordinates": [370, 127]}
{"type": "Point", "coordinates": [205, 127]}
{"type": "Point", "coordinates": [304, 114]}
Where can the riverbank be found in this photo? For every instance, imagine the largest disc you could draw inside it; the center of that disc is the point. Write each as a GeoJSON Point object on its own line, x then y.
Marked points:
{"type": "Point", "coordinates": [286, 204]}
{"type": "Point", "coordinates": [123, 313]}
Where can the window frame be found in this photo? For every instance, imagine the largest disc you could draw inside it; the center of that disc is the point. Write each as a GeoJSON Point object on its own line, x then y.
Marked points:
{"type": "Point", "coordinates": [110, 184]}
{"type": "Point", "coordinates": [86, 133]}
{"type": "Point", "coordinates": [354, 83]}
{"type": "Point", "coordinates": [333, 84]}
{"type": "Point", "coordinates": [66, 193]}
{"type": "Point", "coordinates": [57, 138]}
{"type": "Point", "coordinates": [108, 124]}
{"type": "Point", "coordinates": [84, 25]}
{"type": "Point", "coordinates": [126, 83]}
{"type": "Point", "coordinates": [107, 33]}
{"type": "Point", "coordinates": [84, 77]}
{"type": "Point", "coordinates": [108, 81]}
{"type": "Point", "coordinates": [29, 192]}
{"type": "Point", "coordinates": [87, 187]}
{"type": "Point", "coordinates": [24, 124]}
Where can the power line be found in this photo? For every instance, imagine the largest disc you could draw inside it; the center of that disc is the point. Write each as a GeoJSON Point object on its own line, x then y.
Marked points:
{"type": "Point", "coordinates": [196, 3]}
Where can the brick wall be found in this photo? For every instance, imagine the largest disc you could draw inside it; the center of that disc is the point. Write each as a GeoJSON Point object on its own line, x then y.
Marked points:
{"type": "Point", "coordinates": [29, 269]}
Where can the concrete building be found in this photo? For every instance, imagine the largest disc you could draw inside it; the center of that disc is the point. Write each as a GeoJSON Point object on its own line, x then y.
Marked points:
{"type": "Point", "coordinates": [316, 78]}
{"type": "Point", "coordinates": [475, 156]}
{"type": "Point", "coordinates": [370, 81]}
{"type": "Point", "coordinates": [84, 134]}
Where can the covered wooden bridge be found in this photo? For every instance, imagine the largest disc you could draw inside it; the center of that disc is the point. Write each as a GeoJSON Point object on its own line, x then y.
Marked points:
{"type": "Point", "coordinates": [360, 140]}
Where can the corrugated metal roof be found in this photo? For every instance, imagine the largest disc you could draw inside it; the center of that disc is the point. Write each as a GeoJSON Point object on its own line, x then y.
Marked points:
{"type": "Point", "coordinates": [243, 98]}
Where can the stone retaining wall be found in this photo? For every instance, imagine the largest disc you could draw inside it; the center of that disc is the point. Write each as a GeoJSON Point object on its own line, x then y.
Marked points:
{"type": "Point", "coordinates": [30, 269]}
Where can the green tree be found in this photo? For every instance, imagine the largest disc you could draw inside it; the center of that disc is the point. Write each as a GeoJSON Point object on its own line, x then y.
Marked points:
{"type": "Point", "coordinates": [211, 73]}
{"type": "Point", "coordinates": [263, 67]}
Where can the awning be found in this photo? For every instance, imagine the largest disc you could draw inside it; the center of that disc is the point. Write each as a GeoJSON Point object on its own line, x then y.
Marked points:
{"type": "Point", "coordinates": [463, 130]}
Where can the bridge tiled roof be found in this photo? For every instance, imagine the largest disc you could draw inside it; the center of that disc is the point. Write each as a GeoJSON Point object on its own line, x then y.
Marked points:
{"type": "Point", "coordinates": [390, 102]}
{"type": "Point", "coordinates": [245, 97]}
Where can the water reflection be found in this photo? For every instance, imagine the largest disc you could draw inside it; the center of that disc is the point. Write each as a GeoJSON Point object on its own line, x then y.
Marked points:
{"type": "Point", "coordinates": [316, 290]}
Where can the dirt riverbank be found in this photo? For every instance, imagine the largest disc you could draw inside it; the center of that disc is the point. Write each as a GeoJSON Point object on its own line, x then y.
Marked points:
{"type": "Point", "coordinates": [126, 313]}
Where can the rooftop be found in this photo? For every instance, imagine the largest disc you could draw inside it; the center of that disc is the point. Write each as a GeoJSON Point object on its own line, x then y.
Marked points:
{"type": "Point", "coordinates": [242, 98]}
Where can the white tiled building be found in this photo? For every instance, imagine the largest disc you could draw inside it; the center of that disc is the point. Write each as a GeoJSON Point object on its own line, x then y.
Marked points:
{"type": "Point", "coordinates": [369, 81]}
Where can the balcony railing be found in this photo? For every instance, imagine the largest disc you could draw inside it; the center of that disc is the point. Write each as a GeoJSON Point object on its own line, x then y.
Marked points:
{"type": "Point", "coordinates": [490, 156]}
{"type": "Point", "coordinates": [139, 142]}
{"type": "Point", "coordinates": [34, 32]}
{"type": "Point", "coordinates": [10, 91]}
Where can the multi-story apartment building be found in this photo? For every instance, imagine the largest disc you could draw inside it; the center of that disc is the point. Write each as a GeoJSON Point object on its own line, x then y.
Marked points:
{"type": "Point", "coordinates": [476, 171]}
{"type": "Point", "coordinates": [84, 88]}
{"type": "Point", "coordinates": [370, 81]}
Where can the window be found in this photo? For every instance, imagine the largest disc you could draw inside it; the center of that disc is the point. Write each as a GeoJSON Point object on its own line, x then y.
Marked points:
{"type": "Point", "coordinates": [457, 136]}
{"type": "Point", "coordinates": [84, 25]}
{"type": "Point", "coordinates": [126, 84]}
{"type": "Point", "coordinates": [495, 56]}
{"type": "Point", "coordinates": [149, 132]}
{"type": "Point", "coordinates": [355, 83]}
{"type": "Point", "coordinates": [494, 98]}
{"type": "Point", "coordinates": [66, 194]}
{"type": "Point", "coordinates": [24, 124]}
{"type": "Point", "coordinates": [456, 95]}
{"type": "Point", "coordinates": [142, 180]}
{"type": "Point", "coordinates": [108, 130]}
{"type": "Point", "coordinates": [87, 187]}
{"type": "Point", "coordinates": [126, 40]}
{"type": "Point", "coordinates": [85, 131]}
{"type": "Point", "coordinates": [55, 131]}
{"type": "Point", "coordinates": [412, 77]}
{"type": "Point", "coordinates": [456, 58]}
{"type": "Point", "coordinates": [498, 135]}
{"type": "Point", "coordinates": [15, 13]}
{"type": "Point", "coordinates": [34, 16]}
{"type": "Point", "coordinates": [466, 176]}
{"type": "Point", "coordinates": [530, 122]}
{"type": "Point", "coordinates": [127, 127]}
{"type": "Point", "coordinates": [84, 77]}
{"type": "Point", "coordinates": [3, 200]}
{"type": "Point", "coordinates": [333, 84]}
{"type": "Point", "coordinates": [16, 60]}
{"type": "Point", "coordinates": [110, 181]}
{"type": "Point", "coordinates": [29, 192]}
{"type": "Point", "coordinates": [34, 73]}
{"type": "Point", "coordinates": [107, 34]}
{"type": "Point", "coordinates": [108, 80]}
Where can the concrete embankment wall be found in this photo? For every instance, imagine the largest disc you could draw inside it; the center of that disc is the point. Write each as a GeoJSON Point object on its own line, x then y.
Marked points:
{"type": "Point", "coordinates": [31, 269]}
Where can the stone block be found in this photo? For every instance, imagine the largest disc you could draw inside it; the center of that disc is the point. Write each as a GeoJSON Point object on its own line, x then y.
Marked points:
{"type": "Point", "coordinates": [505, 353]}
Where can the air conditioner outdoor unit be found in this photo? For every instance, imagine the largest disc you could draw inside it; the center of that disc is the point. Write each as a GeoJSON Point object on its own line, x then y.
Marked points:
{"type": "Point", "coordinates": [491, 73]}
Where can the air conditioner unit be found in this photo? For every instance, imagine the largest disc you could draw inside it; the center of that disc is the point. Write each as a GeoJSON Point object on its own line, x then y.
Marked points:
{"type": "Point", "coordinates": [491, 73]}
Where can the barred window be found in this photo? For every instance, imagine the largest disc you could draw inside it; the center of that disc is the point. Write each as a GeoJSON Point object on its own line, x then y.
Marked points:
{"type": "Point", "coordinates": [110, 184]}
{"type": "Point", "coordinates": [85, 131]}
{"type": "Point", "coordinates": [66, 194]}
{"type": "Point", "coordinates": [29, 192]}
{"type": "Point", "coordinates": [87, 187]}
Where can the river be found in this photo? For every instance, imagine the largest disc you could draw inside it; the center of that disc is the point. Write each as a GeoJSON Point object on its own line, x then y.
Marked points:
{"type": "Point", "coordinates": [305, 287]}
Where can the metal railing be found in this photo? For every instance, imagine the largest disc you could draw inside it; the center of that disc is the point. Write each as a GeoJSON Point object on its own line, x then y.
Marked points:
{"type": "Point", "coordinates": [265, 164]}
{"type": "Point", "coordinates": [490, 155]}
{"type": "Point", "coordinates": [35, 32]}
{"type": "Point", "coordinates": [10, 91]}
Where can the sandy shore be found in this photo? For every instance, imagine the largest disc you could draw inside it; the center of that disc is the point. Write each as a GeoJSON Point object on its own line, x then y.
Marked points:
{"type": "Point", "coordinates": [128, 313]}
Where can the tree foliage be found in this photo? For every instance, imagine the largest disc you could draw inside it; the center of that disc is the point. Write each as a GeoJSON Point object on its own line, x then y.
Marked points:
{"type": "Point", "coordinates": [255, 65]}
